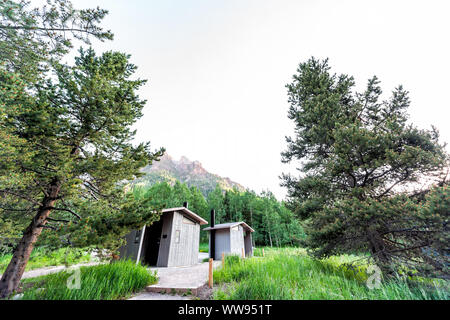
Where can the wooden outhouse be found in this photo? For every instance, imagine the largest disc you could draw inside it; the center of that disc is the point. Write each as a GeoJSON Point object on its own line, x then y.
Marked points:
{"type": "Point", "coordinates": [230, 238]}
{"type": "Point", "coordinates": [172, 241]}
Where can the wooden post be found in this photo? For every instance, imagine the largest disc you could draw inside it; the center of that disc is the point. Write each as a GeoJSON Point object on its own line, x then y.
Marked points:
{"type": "Point", "coordinates": [223, 260]}
{"type": "Point", "coordinates": [243, 253]}
{"type": "Point", "coordinates": [263, 251]}
{"type": "Point", "coordinates": [210, 280]}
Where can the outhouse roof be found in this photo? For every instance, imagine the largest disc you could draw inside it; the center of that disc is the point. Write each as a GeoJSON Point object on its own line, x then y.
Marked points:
{"type": "Point", "coordinates": [187, 212]}
{"type": "Point", "coordinates": [230, 225]}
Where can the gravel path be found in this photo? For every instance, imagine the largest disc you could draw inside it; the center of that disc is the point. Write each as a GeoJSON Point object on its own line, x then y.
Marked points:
{"type": "Point", "coordinates": [202, 256]}
{"type": "Point", "coordinates": [48, 270]}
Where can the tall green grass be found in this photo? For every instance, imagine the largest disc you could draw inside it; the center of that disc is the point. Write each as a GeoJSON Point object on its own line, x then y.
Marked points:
{"type": "Point", "coordinates": [101, 282]}
{"type": "Point", "coordinates": [258, 252]}
{"type": "Point", "coordinates": [289, 274]}
{"type": "Point", "coordinates": [41, 257]}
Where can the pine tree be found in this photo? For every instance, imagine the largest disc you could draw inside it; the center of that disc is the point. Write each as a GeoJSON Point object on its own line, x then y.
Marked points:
{"type": "Point", "coordinates": [31, 38]}
{"type": "Point", "coordinates": [353, 147]}
{"type": "Point", "coordinates": [216, 201]}
{"type": "Point", "coordinates": [74, 152]}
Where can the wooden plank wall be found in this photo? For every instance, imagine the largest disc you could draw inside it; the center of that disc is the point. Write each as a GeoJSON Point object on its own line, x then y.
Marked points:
{"type": "Point", "coordinates": [184, 242]}
{"type": "Point", "coordinates": [237, 240]}
{"type": "Point", "coordinates": [179, 248]}
{"type": "Point", "coordinates": [131, 248]}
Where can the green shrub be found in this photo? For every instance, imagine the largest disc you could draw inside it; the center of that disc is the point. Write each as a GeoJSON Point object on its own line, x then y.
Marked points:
{"type": "Point", "coordinates": [232, 259]}
{"type": "Point", "coordinates": [204, 247]}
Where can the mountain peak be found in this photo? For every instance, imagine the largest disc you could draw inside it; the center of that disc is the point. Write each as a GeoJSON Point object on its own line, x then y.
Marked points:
{"type": "Point", "coordinates": [190, 172]}
{"type": "Point", "coordinates": [183, 159]}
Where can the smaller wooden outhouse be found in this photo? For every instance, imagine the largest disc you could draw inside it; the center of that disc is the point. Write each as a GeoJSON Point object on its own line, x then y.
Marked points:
{"type": "Point", "coordinates": [230, 238]}
{"type": "Point", "coordinates": [173, 241]}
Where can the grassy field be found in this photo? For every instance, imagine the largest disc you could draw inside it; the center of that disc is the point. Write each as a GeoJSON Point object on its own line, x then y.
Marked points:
{"type": "Point", "coordinates": [42, 258]}
{"type": "Point", "coordinates": [290, 274]}
{"type": "Point", "coordinates": [204, 247]}
{"type": "Point", "coordinates": [102, 282]}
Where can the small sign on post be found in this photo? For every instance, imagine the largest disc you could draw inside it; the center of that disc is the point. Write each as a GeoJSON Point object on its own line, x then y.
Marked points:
{"type": "Point", "coordinates": [223, 260]}
{"type": "Point", "coordinates": [210, 279]}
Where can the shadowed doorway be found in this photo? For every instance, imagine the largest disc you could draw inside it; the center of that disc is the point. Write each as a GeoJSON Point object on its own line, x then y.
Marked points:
{"type": "Point", "coordinates": [152, 239]}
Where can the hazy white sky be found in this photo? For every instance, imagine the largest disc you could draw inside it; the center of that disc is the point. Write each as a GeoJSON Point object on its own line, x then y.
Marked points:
{"type": "Point", "coordinates": [217, 69]}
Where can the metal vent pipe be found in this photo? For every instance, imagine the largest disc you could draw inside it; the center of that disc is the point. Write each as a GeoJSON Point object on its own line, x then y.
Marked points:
{"type": "Point", "coordinates": [212, 236]}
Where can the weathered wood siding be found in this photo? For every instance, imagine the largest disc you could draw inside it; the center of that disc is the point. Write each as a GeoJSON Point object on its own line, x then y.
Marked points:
{"type": "Point", "coordinates": [131, 248]}
{"type": "Point", "coordinates": [236, 240]}
{"type": "Point", "coordinates": [222, 243]}
{"type": "Point", "coordinates": [164, 245]}
{"type": "Point", "coordinates": [184, 241]}
{"type": "Point", "coordinates": [178, 246]}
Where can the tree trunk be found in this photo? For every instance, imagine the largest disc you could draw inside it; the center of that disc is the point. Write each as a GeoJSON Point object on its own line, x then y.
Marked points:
{"type": "Point", "coordinates": [251, 224]}
{"type": "Point", "coordinates": [13, 273]}
{"type": "Point", "coordinates": [270, 238]}
{"type": "Point", "coordinates": [377, 248]}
